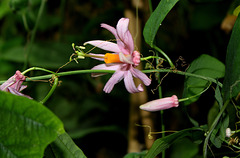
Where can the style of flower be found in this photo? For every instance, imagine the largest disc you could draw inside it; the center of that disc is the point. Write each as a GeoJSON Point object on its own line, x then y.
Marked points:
{"type": "Point", "coordinates": [160, 104]}
{"type": "Point", "coordinates": [14, 84]}
{"type": "Point", "coordinates": [123, 60]}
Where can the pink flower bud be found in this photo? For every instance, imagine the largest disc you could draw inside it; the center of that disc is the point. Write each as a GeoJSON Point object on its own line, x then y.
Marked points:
{"type": "Point", "coordinates": [161, 104]}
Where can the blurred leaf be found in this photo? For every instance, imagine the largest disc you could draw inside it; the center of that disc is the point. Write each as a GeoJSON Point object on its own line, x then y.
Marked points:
{"type": "Point", "coordinates": [26, 127]}
{"type": "Point", "coordinates": [136, 155]}
{"type": "Point", "coordinates": [47, 55]}
{"type": "Point", "coordinates": [204, 65]}
{"type": "Point", "coordinates": [155, 20]}
{"type": "Point", "coordinates": [83, 132]}
{"type": "Point", "coordinates": [207, 15]}
{"type": "Point", "coordinates": [184, 148]}
{"type": "Point", "coordinates": [64, 147]}
{"type": "Point", "coordinates": [18, 5]}
{"type": "Point", "coordinates": [163, 143]}
{"type": "Point", "coordinates": [4, 8]}
{"type": "Point", "coordinates": [236, 11]}
{"type": "Point", "coordinates": [231, 83]}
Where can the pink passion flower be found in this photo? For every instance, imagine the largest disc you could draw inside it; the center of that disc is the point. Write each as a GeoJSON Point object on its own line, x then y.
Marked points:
{"type": "Point", "coordinates": [14, 84]}
{"type": "Point", "coordinates": [123, 60]}
{"type": "Point", "coordinates": [160, 104]}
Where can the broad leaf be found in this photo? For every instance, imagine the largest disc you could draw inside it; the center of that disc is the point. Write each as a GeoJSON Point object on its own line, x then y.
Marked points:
{"type": "Point", "coordinates": [231, 84]}
{"type": "Point", "coordinates": [163, 143]}
{"type": "Point", "coordinates": [64, 147]}
{"type": "Point", "coordinates": [155, 20]}
{"type": "Point", "coordinates": [26, 127]}
{"type": "Point", "coordinates": [204, 65]}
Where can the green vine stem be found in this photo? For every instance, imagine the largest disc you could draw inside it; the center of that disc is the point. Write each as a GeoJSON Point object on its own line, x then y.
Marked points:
{"type": "Point", "coordinates": [54, 86]}
{"type": "Point", "coordinates": [75, 72]}
{"type": "Point", "coordinates": [165, 55]}
{"type": "Point", "coordinates": [215, 122]}
{"type": "Point", "coordinates": [37, 68]}
{"type": "Point", "coordinates": [184, 99]}
{"type": "Point", "coordinates": [33, 33]}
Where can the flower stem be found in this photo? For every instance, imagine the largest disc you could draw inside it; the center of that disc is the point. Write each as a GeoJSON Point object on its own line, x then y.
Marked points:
{"type": "Point", "coordinates": [37, 68]}
{"type": "Point", "coordinates": [75, 72]}
{"type": "Point", "coordinates": [161, 112]}
{"type": "Point", "coordinates": [149, 57]}
{"type": "Point", "coordinates": [165, 55]}
{"type": "Point", "coordinates": [54, 86]}
{"type": "Point", "coordinates": [214, 124]}
{"type": "Point", "coordinates": [33, 34]}
{"type": "Point", "coordinates": [185, 74]}
{"type": "Point", "coordinates": [184, 99]}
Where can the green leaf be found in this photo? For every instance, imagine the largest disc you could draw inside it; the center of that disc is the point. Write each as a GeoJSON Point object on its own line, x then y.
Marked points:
{"type": "Point", "coordinates": [17, 5]}
{"type": "Point", "coordinates": [163, 143]}
{"type": "Point", "coordinates": [231, 83]}
{"type": "Point", "coordinates": [204, 65]}
{"type": "Point", "coordinates": [136, 155]}
{"type": "Point", "coordinates": [64, 147]}
{"type": "Point", "coordinates": [4, 8]}
{"type": "Point", "coordinates": [219, 132]}
{"type": "Point", "coordinates": [218, 97]}
{"type": "Point", "coordinates": [155, 20]}
{"type": "Point", "coordinates": [26, 127]}
{"type": "Point", "coordinates": [184, 148]}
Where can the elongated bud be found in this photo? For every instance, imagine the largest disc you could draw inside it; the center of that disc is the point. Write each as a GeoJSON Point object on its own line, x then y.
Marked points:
{"type": "Point", "coordinates": [161, 104]}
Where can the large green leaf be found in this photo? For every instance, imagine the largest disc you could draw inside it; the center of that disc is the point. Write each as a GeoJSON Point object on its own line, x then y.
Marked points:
{"type": "Point", "coordinates": [231, 84]}
{"type": "Point", "coordinates": [26, 127]}
{"type": "Point", "coordinates": [155, 20]}
{"type": "Point", "coordinates": [204, 65]}
{"type": "Point", "coordinates": [163, 143]}
{"type": "Point", "coordinates": [64, 147]}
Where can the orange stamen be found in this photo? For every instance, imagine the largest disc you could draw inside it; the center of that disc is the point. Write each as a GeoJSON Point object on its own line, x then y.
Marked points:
{"type": "Point", "coordinates": [111, 58]}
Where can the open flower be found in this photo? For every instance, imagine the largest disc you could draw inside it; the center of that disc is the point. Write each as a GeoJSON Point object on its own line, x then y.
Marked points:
{"type": "Point", "coordinates": [161, 104]}
{"type": "Point", "coordinates": [14, 84]}
{"type": "Point", "coordinates": [123, 60]}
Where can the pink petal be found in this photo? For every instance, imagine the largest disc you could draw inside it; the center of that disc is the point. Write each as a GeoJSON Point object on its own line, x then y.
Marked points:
{"type": "Point", "coordinates": [100, 55]}
{"type": "Point", "coordinates": [161, 104]}
{"type": "Point", "coordinates": [124, 59]}
{"type": "Point", "coordinates": [14, 91]}
{"type": "Point", "coordinates": [116, 77]}
{"type": "Point", "coordinates": [104, 67]}
{"type": "Point", "coordinates": [143, 77]}
{"type": "Point", "coordinates": [125, 36]}
{"type": "Point", "coordinates": [105, 45]}
{"type": "Point", "coordinates": [129, 84]}
{"type": "Point", "coordinates": [111, 29]}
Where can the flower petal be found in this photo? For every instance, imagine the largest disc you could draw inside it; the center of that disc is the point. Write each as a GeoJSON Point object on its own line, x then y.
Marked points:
{"type": "Point", "coordinates": [116, 77]}
{"type": "Point", "coordinates": [111, 29]}
{"type": "Point", "coordinates": [14, 91]}
{"type": "Point", "coordinates": [124, 59]}
{"type": "Point", "coordinates": [161, 104]}
{"type": "Point", "coordinates": [129, 84]}
{"type": "Point", "coordinates": [139, 74]}
{"type": "Point", "coordinates": [125, 36]}
{"type": "Point", "coordinates": [100, 56]}
{"type": "Point", "coordinates": [104, 67]}
{"type": "Point", "coordinates": [105, 45]}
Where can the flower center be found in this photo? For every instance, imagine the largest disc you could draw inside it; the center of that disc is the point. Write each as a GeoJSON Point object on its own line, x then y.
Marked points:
{"type": "Point", "coordinates": [111, 58]}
